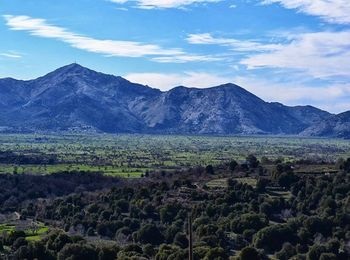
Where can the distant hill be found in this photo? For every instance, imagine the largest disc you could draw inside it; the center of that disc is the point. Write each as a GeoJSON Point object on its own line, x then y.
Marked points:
{"type": "Point", "coordinates": [77, 98]}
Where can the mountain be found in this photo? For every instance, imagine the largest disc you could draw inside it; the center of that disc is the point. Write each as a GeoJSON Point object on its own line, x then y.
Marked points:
{"type": "Point", "coordinates": [73, 96]}
{"type": "Point", "coordinates": [334, 126]}
{"type": "Point", "coordinates": [77, 98]}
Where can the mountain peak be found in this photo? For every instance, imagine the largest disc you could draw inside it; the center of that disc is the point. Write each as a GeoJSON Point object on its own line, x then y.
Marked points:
{"type": "Point", "coordinates": [70, 70]}
{"type": "Point", "coordinates": [73, 68]}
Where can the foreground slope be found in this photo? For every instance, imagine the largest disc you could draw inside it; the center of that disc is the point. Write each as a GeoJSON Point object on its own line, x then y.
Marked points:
{"type": "Point", "coordinates": [74, 97]}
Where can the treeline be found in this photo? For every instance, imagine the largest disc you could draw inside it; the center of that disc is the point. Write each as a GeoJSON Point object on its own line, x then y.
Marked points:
{"type": "Point", "coordinates": [18, 188]}
{"type": "Point", "coordinates": [9, 157]}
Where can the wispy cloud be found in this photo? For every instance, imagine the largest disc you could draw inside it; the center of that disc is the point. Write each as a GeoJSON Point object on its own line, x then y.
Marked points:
{"type": "Point", "coordinates": [318, 54]}
{"type": "Point", "coordinates": [333, 11]}
{"type": "Point", "coordinates": [233, 44]}
{"type": "Point", "coordinates": [152, 4]}
{"type": "Point", "coordinates": [11, 54]}
{"type": "Point", "coordinates": [41, 28]}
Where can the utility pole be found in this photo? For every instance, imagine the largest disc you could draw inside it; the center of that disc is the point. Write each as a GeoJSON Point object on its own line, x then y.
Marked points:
{"type": "Point", "coordinates": [190, 239]}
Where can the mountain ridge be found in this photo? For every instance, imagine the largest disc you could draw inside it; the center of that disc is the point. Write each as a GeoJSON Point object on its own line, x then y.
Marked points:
{"type": "Point", "coordinates": [78, 98]}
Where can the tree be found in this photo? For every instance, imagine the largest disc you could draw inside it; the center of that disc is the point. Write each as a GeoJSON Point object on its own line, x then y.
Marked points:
{"type": "Point", "coordinates": [285, 179]}
{"type": "Point", "coordinates": [261, 184]}
{"type": "Point", "coordinates": [315, 252]}
{"type": "Point", "coordinates": [346, 165]}
{"type": "Point", "coordinates": [266, 208]}
{"type": "Point", "coordinates": [286, 252]}
{"type": "Point", "coordinates": [21, 241]}
{"type": "Point", "coordinates": [252, 161]}
{"type": "Point", "coordinates": [108, 253]}
{"type": "Point", "coordinates": [23, 252]}
{"type": "Point", "coordinates": [249, 221]}
{"type": "Point", "coordinates": [90, 232]}
{"type": "Point", "coordinates": [272, 238]}
{"type": "Point", "coordinates": [167, 252]}
{"type": "Point", "coordinates": [328, 256]}
{"type": "Point", "coordinates": [317, 225]}
{"type": "Point", "coordinates": [199, 252]}
{"type": "Point", "coordinates": [148, 249]}
{"type": "Point", "coordinates": [150, 233]}
{"type": "Point", "coordinates": [57, 240]}
{"type": "Point", "coordinates": [77, 252]}
{"type": "Point", "coordinates": [217, 253]}
{"type": "Point", "coordinates": [123, 205]}
{"type": "Point", "coordinates": [232, 165]}
{"type": "Point", "coordinates": [181, 240]}
{"type": "Point", "coordinates": [209, 169]}
{"type": "Point", "coordinates": [249, 253]}
{"type": "Point", "coordinates": [169, 212]}
{"type": "Point", "coordinates": [10, 238]}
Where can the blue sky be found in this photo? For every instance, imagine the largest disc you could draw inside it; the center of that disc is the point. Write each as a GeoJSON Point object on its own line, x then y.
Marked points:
{"type": "Point", "coordinates": [292, 51]}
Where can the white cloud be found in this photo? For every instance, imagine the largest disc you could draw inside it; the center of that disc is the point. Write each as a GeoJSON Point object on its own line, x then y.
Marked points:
{"type": "Point", "coordinates": [233, 44]}
{"type": "Point", "coordinates": [319, 54]}
{"type": "Point", "coordinates": [167, 81]}
{"type": "Point", "coordinates": [333, 11]}
{"type": "Point", "coordinates": [331, 97]}
{"type": "Point", "coordinates": [151, 4]}
{"type": "Point", "coordinates": [39, 27]}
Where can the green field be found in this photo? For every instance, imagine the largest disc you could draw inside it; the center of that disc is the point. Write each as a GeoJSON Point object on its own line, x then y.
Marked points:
{"type": "Point", "coordinates": [132, 155]}
{"type": "Point", "coordinates": [6, 228]}
{"type": "Point", "coordinates": [31, 235]}
{"type": "Point", "coordinates": [38, 234]}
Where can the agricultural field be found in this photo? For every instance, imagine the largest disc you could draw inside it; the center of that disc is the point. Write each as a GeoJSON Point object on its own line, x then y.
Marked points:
{"type": "Point", "coordinates": [134, 155]}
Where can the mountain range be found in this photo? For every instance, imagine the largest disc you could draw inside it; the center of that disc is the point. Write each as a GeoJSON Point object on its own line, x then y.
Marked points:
{"type": "Point", "coordinates": [75, 98]}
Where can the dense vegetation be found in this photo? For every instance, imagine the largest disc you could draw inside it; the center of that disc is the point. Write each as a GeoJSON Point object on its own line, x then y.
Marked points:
{"type": "Point", "coordinates": [15, 188]}
{"type": "Point", "coordinates": [254, 209]}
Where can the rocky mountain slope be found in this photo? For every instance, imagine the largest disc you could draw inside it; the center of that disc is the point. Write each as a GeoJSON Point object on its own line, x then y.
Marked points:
{"type": "Point", "coordinates": [74, 97]}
